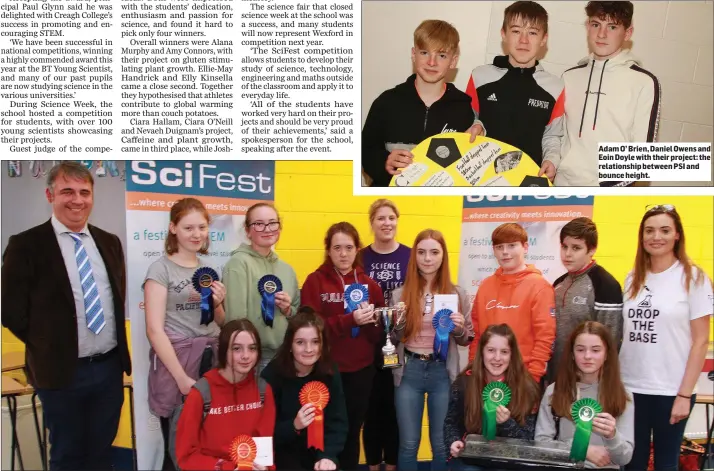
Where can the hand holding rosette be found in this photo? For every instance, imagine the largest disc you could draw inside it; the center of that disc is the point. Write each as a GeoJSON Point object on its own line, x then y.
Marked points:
{"type": "Point", "coordinates": [283, 302]}
{"type": "Point", "coordinates": [317, 394]}
{"type": "Point", "coordinates": [202, 280]}
{"type": "Point", "coordinates": [443, 325]}
{"type": "Point", "coordinates": [355, 295]}
{"type": "Point", "coordinates": [268, 286]}
{"type": "Point", "coordinates": [243, 452]}
{"type": "Point", "coordinates": [583, 412]}
{"type": "Point", "coordinates": [496, 394]}
{"type": "Point", "coordinates": [304, 417]}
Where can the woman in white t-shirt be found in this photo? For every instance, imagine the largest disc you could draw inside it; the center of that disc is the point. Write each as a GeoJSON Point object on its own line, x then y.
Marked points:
{"type": "Point", "coordinates": [667, 304]}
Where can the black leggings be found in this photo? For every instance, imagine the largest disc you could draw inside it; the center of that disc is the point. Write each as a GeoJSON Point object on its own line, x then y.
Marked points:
{"type": "Point", "coordinates": [357, 387]}
{"type": "Point", "coordinates": [381, 433]}
{"type": "Point", "coordinates": [168, 462]}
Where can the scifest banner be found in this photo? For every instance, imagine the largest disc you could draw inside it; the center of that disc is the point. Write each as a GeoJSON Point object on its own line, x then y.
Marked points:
{"type": "Point", "coordinates": [228, 189]}
{"type": "Point", "coordinates": [541, 216]}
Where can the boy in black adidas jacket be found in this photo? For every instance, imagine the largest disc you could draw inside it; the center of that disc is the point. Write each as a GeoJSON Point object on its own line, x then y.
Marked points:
{"type": "Point", "coordinates": [518, 101]}
{"type": "Point", "coordinates": [421, 107]}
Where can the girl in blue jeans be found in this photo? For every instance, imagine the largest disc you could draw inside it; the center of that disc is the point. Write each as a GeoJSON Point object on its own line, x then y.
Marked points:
{"type": "Point", "coordinates": [426, 371]}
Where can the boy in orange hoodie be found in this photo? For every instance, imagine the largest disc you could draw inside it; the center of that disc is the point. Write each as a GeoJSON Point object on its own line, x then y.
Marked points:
{"type": "Point", "coordinates": [517, 295]}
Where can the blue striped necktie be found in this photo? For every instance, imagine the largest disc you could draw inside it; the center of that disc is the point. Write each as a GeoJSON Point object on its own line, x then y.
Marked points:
{"type": "Point", "coordinates": [92, 304]}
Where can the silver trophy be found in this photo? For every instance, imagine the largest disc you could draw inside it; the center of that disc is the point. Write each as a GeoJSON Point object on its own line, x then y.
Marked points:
{"type": "Point", "coordinates": [511, 453]}
{"type": "Point", "coordinates": [391, 317]}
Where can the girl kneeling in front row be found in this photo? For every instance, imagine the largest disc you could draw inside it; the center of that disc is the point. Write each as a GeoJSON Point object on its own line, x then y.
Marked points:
{"type": "Point", "coordinates": [590, 369]}
{"type": "Point", "coordinates": [203, 441]}
{"type": "Point", "coordinates": [497, 359]}
{"type": "Point", "coordinates": [308, 397]}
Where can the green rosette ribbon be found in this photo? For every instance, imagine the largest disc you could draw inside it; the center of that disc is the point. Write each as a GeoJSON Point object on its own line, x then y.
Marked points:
{"type": "Point", "coordinates": [583, 412]}
{"type": "Point", "coordinates": [494, 394]}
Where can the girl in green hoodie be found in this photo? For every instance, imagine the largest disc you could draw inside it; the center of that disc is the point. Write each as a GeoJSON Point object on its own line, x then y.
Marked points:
{"type": "Point", "coordinates": [250, 276]}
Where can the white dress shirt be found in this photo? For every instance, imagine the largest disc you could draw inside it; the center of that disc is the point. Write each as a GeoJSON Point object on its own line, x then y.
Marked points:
{"type": "Point", "coordinates": [89, 343]}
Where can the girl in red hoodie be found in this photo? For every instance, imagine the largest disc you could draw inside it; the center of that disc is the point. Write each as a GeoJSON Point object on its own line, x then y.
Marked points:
{"type": "Point", "coordinates": [236, 407]}
{"type": "Point", "coordinates": [353, 335]}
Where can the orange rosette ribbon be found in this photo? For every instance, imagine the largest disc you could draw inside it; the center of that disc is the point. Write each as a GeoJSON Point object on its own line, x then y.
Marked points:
{"type": "Point", "coordinates": [243, 451]}
{"type": "Point", "coordinates": [317, 394]}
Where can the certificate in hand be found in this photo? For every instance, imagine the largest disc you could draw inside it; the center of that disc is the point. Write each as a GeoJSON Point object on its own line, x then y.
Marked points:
{"type": "Point", "coordinates": [264, 456]}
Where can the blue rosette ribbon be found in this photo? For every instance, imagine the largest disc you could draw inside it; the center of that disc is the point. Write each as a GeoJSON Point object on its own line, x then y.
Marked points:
{"type": "Point", "coordinates": [443, 325]}
{"type": "Point", "coordinates": [355, 294]}
{"type": "Point", "coordinates": [202, 280]}
{"type": "Point", "coordinates": [267, 287]}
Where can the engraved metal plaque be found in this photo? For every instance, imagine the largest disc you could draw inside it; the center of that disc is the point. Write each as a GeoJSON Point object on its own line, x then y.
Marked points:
{"type": "Point", "coordinates": [511, 453]}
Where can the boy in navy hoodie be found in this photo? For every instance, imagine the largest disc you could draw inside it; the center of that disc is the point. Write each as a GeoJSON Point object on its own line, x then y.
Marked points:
{"type": "Point", "coordinates": [423, 106]}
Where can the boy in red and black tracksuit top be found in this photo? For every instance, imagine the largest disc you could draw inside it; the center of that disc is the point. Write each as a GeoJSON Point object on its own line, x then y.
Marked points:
{"type": "Point", "coordinates": [323, 291]}
{"type": "Point", "coordinates": [518, 101]}
{"type": "Point", "coordinates": [236, 409]}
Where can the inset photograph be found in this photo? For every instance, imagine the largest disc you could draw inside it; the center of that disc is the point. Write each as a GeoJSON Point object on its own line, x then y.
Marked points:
{"type": "Point", "coordinates": [566, 94]}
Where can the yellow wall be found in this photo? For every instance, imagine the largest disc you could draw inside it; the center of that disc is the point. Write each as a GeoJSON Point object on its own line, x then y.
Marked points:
{"type": "Point", "coordinates": [313, 195]}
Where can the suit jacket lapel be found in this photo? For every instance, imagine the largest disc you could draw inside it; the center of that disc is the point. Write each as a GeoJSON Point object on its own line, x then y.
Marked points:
{"type": "Point", "coordinates": [105, 253]}
{"type": "Point", "coordinates": [56, 260]}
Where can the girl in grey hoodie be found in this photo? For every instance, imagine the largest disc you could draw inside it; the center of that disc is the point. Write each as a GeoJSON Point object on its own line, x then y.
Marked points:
{"type": "Point", "coordinates": [591, 370]}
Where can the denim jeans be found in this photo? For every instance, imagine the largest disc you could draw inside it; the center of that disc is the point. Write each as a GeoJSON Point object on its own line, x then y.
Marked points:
{"type": "Point", "coordinates": [422, 378]}
{"type": "Point", "coordinates": [652, 419]}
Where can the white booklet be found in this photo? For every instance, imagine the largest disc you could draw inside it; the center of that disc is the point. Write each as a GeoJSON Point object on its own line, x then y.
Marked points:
{"type": "Point", "coordinates": [264, 452]}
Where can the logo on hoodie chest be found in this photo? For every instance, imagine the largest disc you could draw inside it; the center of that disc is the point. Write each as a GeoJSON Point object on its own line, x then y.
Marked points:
{"type": "Point", "coordinates": [235, 408]}
{"type": "Point", "coordinates": [446, 129]}
{"type": "Point", "coordinates": [495, 304]}
{"type": "Point", "coordinates": [538, 103]}
{"type": "Point", "coordinates": [332, 297]}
